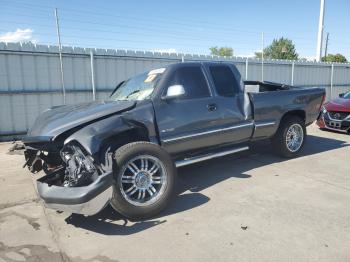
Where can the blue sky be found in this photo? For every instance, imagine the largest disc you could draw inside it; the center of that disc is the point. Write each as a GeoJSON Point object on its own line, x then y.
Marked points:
{"type": "Point", "coordinates": [181, 26]}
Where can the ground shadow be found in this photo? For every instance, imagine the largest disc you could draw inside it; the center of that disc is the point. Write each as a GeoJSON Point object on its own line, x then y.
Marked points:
{"type": "Point", "coordinates": [194, 179]}
{"type": "Point", "coordinates": [110, 222]}
{"type": "Point", "coordinates": [198, 177]}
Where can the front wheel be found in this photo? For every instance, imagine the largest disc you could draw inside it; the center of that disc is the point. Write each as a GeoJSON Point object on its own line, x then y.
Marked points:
{"type": "Point", "coordinates": [145, 178]}
{"type": "Point", "coordinates": [290, 137]}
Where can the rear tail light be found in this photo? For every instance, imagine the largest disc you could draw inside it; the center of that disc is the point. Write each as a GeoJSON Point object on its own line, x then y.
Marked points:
{"type": "Point", "coordinates": [323, 99]}
{"type": "Point", "coordinates": [322, 102]}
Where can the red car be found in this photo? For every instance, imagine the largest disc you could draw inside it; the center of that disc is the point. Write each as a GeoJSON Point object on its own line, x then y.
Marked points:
{"type": "Point", "coordinates": [335, 115]}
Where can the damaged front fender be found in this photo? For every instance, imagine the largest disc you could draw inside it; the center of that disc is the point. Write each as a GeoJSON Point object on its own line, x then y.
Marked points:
{"type": "Point", "coordinates": [94, 136]}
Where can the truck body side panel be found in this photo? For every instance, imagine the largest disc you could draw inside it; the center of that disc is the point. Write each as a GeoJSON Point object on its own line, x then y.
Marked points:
{"type": "Point", "coordinates": [270, 107]}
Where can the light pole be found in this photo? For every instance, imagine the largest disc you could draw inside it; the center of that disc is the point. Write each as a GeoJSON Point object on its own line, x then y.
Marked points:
{"type": "Point", "coordinates": [320, 32]}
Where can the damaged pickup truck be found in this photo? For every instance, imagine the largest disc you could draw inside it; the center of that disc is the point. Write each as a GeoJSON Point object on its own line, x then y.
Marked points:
{"type": "Point", "coordinates": [125, 150]}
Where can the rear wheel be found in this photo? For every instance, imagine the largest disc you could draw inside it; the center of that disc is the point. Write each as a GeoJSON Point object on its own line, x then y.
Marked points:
{"type": "Point", "coordinates": [290, 137]}
{"type": "Point", "coordinates": [145, 179]}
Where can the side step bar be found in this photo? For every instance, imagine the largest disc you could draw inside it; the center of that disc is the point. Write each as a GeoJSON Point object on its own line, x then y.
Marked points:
{"type": "Point", "coordinates": [192, 160]}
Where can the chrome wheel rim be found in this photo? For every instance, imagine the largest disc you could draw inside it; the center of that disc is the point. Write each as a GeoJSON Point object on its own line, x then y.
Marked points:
{"type": "Point", "coordinates": [143, 180]}
{"type": "Point", "coordinates": [294, 137]}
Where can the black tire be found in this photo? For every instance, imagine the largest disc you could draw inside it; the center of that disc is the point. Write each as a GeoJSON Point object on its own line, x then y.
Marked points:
{"type": "Point", "coordinates": [119, 201]}
{"type": "Point", "coordinates": [279, 140]}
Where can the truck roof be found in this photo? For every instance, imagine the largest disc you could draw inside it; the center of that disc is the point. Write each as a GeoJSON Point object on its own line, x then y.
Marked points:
{"type": "Point", "coordinates": [201, 63]}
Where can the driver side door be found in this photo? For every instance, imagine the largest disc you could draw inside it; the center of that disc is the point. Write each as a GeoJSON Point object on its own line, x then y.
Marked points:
{"type": "Point", "coordinates": [184, 123]}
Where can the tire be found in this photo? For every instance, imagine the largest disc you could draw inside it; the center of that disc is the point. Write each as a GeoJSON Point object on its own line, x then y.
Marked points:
{"type": "Point", "coordinates": [135, 170]}
{"type": "Point", "coordinates": [279, 141]}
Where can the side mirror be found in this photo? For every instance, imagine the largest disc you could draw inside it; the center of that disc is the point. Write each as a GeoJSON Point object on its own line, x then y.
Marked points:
{"type": "Point", "coordinates": [175, 91]}
{"type": "Point", "coordinates": [341, 95]}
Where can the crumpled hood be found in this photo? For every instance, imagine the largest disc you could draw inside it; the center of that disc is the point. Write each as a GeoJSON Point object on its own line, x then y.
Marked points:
{"type": "Point", "coordinates": [339, 104]}
{"type": "Point", "coordinates": [57, 120]}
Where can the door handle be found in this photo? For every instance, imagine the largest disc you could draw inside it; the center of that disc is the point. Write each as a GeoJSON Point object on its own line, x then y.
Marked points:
{"type": "Point", "coordinates": [212, 107]}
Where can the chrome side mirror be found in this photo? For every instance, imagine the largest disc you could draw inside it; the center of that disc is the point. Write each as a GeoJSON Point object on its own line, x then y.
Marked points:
{"type": "Point", "coordinates": [174, 91]}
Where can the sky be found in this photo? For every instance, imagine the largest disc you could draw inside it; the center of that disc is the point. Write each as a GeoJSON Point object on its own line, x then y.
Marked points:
{"type": "Point", "coordinates": [184, 26]}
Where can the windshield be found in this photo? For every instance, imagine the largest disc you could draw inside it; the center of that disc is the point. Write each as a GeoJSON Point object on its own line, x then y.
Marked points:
{"type": "Point", "coordinates": [347, 95]}
{"type": "Point", "coordinates": [139, 87]}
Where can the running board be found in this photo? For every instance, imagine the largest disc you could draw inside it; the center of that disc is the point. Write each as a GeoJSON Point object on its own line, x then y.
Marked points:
{"type": "Point", "coordinates": [192, 160]}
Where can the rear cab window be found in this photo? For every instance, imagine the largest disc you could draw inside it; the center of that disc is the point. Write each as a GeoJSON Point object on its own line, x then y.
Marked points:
{"type": "Point", "coordinates": [192, 79]}
{"type": "Point", "coordinates": [224, 80]}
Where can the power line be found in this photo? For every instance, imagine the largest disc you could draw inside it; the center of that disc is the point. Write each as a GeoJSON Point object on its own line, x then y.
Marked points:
{"type": "Point", "coordinates": [168, 20]}
{"type": "Point", "coordinates": [125, 24]}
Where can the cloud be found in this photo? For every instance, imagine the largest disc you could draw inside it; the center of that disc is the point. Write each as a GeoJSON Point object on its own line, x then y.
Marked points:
{"type": "Point", "coordinates": [250, 55]}
{"type": "Point", "coordinates": [169, 50]}
{"type": "Point", "coordinates": [308, 58]}
{"type": "Point", "coordinates": [20, 35]}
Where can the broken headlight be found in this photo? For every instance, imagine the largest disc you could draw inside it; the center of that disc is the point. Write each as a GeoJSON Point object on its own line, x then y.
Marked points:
{"type": "Point", "coordinates": [79, 167]}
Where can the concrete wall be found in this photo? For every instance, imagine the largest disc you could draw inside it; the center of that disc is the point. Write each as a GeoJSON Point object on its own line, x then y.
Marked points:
{"type": "Point", "coordinates": [30, 78]}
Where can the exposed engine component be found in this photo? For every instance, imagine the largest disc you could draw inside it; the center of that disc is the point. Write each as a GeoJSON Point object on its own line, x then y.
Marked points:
{"type": "Point", "coordinates": [33, 160]}
{"type": "Point", "coordinates": [79, 168]}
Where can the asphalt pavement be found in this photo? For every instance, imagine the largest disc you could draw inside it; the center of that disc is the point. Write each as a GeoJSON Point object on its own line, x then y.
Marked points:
{"type": "Point", "coordinates": [251, 207]}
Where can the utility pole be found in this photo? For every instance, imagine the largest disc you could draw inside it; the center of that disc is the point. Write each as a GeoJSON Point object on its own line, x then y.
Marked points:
{"type": "Point", "coordinates": [326, 47]}
{"type": "Point", "coordinates": [92, 75]}
{"type": "Point", "coordinates": [262, 57]}
{"type": "Point", "coordinates": [60, 54]}
{"type": "Point", "coordinates": [320, 32]}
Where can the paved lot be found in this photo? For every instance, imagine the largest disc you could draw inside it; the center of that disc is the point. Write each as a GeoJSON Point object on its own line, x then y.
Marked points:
{"type": "Point", "coordinates": [255, 207]}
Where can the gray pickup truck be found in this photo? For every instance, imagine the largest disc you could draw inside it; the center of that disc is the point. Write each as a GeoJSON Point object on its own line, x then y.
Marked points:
{"type": "Point", "coordinates": [125, 150]}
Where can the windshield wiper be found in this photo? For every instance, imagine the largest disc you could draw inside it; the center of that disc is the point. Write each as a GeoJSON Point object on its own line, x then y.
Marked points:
{"type": "Point", "coordinates": [132, 93]}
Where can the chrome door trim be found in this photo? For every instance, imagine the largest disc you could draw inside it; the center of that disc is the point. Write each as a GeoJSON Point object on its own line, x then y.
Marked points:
{"type": "Point", "coordinates": [207, 132]}
{"type": "Point", "coordinates": [272, 123]}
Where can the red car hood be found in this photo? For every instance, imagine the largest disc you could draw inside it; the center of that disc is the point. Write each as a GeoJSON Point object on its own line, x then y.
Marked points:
{"type": "Point", "coordinates": [339, 104]}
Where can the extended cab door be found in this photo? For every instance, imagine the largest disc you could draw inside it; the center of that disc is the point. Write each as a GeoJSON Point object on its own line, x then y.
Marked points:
{"type": "Point", "coordinates": [197, 119]}
{"type": "Point", "coordinates": [233, 104]}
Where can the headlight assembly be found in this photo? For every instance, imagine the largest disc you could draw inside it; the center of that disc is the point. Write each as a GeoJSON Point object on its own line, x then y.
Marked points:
{"type": "Point", "coordinates": [79, 167]}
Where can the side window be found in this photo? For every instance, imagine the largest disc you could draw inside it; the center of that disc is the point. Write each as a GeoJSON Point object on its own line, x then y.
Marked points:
{"type": "Point", "coordinates": [193, 81]}
{"type": "Point", "coordinates": [224, 80]}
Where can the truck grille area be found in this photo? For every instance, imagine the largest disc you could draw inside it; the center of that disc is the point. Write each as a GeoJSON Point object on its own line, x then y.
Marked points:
{"type": "Point", "coordinates": [338, 115]}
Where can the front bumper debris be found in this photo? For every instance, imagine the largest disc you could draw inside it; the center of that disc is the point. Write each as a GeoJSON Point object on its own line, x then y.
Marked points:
{"type": "Point", "coordinates": [87, 200]}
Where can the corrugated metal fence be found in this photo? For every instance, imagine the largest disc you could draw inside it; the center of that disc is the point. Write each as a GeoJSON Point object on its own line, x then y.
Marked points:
{"type": "Point", "coordinates": [30, 79]}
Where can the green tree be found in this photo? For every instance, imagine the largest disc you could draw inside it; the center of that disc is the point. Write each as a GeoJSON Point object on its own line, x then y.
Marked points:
{"type": "Point", "coordinates": [282, 48]}
{"type": "Point", "coordinates": [221, 51]}
{"type": "Point", "coordinates": [335, 58]}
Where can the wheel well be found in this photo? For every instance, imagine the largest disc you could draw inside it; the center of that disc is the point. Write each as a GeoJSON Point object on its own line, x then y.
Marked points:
{"type": "Point", "coordinates": [113, 142]}
{"type": "Point", "coordinates": [298, 113]}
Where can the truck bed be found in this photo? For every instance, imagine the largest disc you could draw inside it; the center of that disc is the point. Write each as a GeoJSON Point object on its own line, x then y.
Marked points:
{"type": "Point", "coordinates": [270, 101]}
{"type": "Point", "coordinates": [258, 86]}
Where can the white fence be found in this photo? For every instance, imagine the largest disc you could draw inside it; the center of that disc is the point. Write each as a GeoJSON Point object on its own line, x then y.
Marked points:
{"type": "Point", "coordinates": [30, 78]}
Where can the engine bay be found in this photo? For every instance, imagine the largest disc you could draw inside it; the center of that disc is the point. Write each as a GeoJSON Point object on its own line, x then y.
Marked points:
{"type": "Point", "coordinates": [69, 167]}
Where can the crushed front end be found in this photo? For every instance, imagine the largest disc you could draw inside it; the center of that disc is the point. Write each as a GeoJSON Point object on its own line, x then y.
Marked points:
{"type": "Point", "coordinates": [73, 180]}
